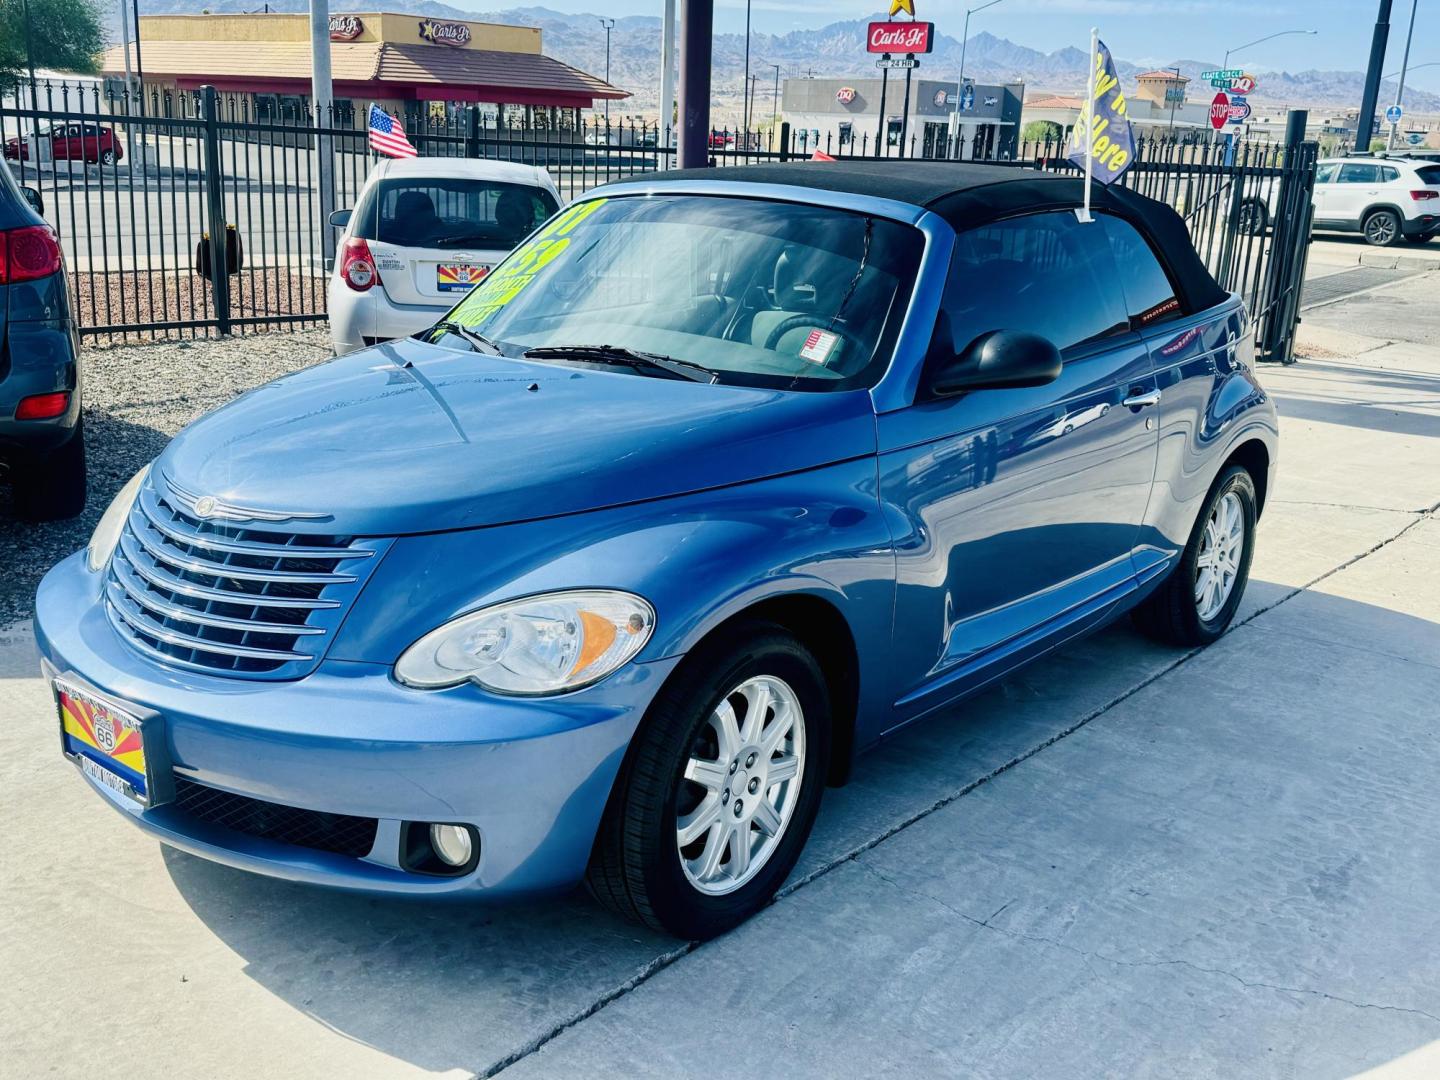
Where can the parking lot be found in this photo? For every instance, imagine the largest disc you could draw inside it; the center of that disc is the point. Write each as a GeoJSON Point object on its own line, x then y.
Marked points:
{"type": "Point", "coordinates": [1127, 860]}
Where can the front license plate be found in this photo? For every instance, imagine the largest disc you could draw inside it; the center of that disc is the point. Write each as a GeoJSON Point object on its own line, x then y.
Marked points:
{"type": "Point", "coordinates": [459, 277]}
{"type": "Point", "coordinates": [107, 741]}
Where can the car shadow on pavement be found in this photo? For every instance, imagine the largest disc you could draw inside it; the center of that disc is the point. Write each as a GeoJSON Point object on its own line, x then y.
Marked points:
{"type": "Point", "coordinates": [454, 985]}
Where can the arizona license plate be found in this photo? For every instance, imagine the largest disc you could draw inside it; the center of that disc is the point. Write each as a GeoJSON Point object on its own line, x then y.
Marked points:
{"type": "Point", "coordinates": [459, 277]}
{"type": "Point", "coordinates": [106, 741]}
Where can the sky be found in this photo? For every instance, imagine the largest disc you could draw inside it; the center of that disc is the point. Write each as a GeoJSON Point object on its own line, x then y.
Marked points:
{"type": "Point", "coordinates": [1141, 31]}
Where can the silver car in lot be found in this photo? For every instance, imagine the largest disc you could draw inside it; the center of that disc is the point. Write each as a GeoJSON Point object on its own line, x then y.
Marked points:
{"type": "Point", "coordinates": [423, 232]}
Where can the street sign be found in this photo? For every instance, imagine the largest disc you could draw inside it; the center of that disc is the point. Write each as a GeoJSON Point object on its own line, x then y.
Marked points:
{"type": "Point", "coordinates": [1219, 110]}
{"type": "Point", "coordinates": [1222, 73]}
{"type": "Point", "coordinates": [897, 62]}
{"type": "Point", "coordinates": [1393, 114]}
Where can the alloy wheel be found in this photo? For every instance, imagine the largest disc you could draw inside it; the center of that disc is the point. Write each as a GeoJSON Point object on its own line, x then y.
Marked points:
{"type": "Point", "coordinates": [1380, 230]}
{"type": "Point", "coordinates": [741, 785]}
{"type": "Point", "coordinates": [1217, 564]}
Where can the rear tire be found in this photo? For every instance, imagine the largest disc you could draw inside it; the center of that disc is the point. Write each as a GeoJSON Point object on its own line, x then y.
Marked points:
{"type": "Point", "coordinates": [107, 157]}
{"type": "Point", "coordinates": [1382, 228]}
{"type": "Point", "coordinates": [639, 867]}
{"type": "Point", "coordinates": [1254, 218]}
{"type": "Point", "coordinates": [51, 486]}
{"type": "Point", "coordinates": [1182, 611]}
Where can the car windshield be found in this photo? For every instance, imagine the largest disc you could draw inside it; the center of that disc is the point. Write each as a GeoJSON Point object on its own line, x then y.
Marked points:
{"type": "Point", "coordinates": [416, 211]}
{"type": "Point", "coordinates": [761, 293]}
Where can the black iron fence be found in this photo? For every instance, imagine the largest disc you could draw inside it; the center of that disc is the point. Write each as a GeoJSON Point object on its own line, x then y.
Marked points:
{"type": "Point", "coordinates": [199, 213]}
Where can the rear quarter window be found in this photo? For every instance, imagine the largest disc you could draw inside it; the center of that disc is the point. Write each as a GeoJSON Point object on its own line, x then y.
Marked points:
{"type": "Point", "coordinates": [1150, 296]}
{"type": "Point", "coordinates": [1428, 174]}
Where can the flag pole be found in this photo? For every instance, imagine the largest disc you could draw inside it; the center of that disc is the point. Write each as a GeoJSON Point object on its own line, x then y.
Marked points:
{"type": "Point", "coordinates": [1089, 114]}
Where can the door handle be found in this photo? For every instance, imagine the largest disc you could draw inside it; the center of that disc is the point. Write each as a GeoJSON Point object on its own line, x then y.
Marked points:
{"type": "Point", "coordinates": [1141, 399]}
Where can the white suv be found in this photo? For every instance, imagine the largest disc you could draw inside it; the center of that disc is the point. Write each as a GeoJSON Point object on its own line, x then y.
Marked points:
{"type": "Point", "coordinates": [1385, 199]}
{"type": "Point", "coordinates": [424, 231]}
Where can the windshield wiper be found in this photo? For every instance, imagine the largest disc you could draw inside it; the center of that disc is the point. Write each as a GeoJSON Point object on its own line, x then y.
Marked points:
{"type": "Point", "coordinates": [478, 342]}
{"type": "Point", "coordinates": [631, 358]}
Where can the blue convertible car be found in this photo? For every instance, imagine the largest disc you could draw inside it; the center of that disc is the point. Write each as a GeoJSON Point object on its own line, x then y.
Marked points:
{"type": "Point", "coordinates": [718, 479]}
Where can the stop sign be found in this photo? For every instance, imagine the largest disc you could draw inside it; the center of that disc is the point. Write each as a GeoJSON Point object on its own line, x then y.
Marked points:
{"type": "Point", "coordinates": [1219, 110]}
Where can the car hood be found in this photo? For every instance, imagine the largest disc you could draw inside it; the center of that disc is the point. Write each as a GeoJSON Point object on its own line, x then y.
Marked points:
{"type": "Point", "coordinates": [409, 437]}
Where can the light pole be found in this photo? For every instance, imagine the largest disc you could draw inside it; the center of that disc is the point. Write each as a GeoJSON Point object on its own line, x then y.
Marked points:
{"type": "Point", "coordinates": [775, 100]}
{"type": "Point", "coordinates": [608, 24]}
{"type": "Point", "coordinates": [745, 96]}
{"type": "Point", "coordinates": [960, 82]}
{"type": "Point", "coordinates": [749, 116]}
{"type": "Point", "coordinates": [1280, 33]}
{"type": "Point", "coordinates": [1400, 89]}
{"type": "Point", "coordinates": [1174, 100]}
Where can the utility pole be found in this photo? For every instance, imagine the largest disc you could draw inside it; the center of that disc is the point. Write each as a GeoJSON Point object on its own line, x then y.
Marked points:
{"type": "Point", "coordinates": [1365, 122]}
{"type": "Point", "coordinates": [608, 24]}
{"type": "Point", "coordinates": [1404, 63]}
{"type": "Point", "coordinates": [30, 63]}
{"type": "Point", "coordinates": [139, 66]}
{"type": "Point", "coordinates": [775, 99]}
{"type": "Point", "coordinates": [697, 19]}
{"type": "Point", "coordinates": [667, 74]}
{"type": "Point", "coordinates": [125, 50]}
{"type": "Point", "coordinates": [322, 105]}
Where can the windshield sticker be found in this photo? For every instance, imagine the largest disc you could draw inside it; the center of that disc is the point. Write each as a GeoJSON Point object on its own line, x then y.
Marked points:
{"type": "Point", "coordinates": [818, 346]}
{"type": "Point", "coordinates": [511, 277]}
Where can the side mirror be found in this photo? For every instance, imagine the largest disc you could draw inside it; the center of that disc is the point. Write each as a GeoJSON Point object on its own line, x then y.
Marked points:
{"type": "Point", "coordinates": [340, 218]}
{"type": "Point", "coordinates": [998, 360]}
{"type": "Point", "coordinates": [32, 196]}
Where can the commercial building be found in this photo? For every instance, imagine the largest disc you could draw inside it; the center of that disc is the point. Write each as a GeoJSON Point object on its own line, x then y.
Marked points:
{"type": "Point", "coordinates": [847, 115]}
{"type": "Point", "coordinates": [1159, 106]}
{"type": "Point", "coordinates": [412, 65]}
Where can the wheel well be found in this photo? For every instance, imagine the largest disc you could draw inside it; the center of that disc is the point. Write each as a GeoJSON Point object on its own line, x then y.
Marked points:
{"type": "Point", "coordinates": [1371, 211]}
{"type": "Point", "coordinates": [1256, 460]}
{"type": "Point", "coordinates": [819, 625]}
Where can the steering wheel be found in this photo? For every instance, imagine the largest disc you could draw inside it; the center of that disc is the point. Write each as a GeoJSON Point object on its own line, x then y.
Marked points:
{"type": "Point", "coordinates": [793, 322]}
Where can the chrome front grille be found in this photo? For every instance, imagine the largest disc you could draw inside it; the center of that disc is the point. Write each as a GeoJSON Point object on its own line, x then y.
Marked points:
{"type": "Point", "coordinates": [219, 597]}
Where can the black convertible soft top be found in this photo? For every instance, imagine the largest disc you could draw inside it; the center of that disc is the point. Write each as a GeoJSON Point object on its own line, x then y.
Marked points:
{"type": "Point", "coordinates": [966, 195]}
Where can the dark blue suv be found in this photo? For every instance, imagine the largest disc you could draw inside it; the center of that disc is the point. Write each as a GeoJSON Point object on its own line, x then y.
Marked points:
{"type": "Point", "coordinates": [42, 447]}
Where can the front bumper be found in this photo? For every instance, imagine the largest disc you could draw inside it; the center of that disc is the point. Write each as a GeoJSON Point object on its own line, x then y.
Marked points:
{"type": "Point", "coordinates": [532, 776]}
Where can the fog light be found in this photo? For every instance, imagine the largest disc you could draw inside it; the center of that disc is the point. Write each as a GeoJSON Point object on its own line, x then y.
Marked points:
{"type": "Point", "coordinates": [451, 843]}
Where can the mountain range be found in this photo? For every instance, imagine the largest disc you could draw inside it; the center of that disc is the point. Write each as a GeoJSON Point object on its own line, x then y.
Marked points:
{"type": "Point", "coordinates": [837, 49]}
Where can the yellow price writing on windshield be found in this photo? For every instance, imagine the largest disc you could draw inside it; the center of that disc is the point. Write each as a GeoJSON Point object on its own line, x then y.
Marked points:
{"type": "Point", "coordinates": [512, 276]}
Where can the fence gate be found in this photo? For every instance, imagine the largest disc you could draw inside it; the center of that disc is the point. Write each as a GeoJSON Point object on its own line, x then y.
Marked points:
{"type": "Point", "coordinates": [198, 213]}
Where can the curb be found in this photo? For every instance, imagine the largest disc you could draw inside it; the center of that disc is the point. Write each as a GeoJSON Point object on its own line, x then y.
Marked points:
{"type": "Point", "coordinates": [1380, 260]}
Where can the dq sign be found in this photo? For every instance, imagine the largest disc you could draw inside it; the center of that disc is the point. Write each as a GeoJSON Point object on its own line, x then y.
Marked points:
{"type": "Point", "coordinates": [845, 95]}
{"type": "Point", "coordinates": [902, 37]}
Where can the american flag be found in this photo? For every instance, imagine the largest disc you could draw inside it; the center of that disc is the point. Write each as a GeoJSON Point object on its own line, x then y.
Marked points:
{"type": "Point", "coordinates": [386, 136]}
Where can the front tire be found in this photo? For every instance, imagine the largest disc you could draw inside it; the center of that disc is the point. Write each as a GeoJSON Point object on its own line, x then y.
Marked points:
{"type": "Point", "coordinates": [1198, 601]}
{"type": "Point", "coordinates": [720, 788]}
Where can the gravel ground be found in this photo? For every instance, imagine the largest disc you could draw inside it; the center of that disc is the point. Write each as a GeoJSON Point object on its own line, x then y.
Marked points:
{"type": "Point", "coordinates": [116, 299]}
{"type": "Point", "coordinates": [136, 398]}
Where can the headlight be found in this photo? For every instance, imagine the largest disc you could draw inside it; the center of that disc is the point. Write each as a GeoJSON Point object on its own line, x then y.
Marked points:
{"type": "Point", "coordinates": [112, 522]}
{"type": "Point", "coordinates": [540, 645]}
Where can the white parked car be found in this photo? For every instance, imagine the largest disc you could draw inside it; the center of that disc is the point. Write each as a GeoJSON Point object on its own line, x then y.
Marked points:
{"type": "Point", "coordinates": [1385, 199]}
{"type": "Point", "coordinates": [423, 232]}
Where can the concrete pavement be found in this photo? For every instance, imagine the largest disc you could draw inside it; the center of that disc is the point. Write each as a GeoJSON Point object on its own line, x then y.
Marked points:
{"type": "Point", "coordinates": [1126, 860]}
